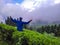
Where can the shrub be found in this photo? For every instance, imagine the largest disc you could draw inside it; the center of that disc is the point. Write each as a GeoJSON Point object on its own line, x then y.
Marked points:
{"type": "Point", "coordinates": [13, 37]}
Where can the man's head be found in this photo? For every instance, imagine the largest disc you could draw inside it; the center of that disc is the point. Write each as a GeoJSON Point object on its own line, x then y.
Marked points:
{"type": "Point", "coordinates": [20, 18]}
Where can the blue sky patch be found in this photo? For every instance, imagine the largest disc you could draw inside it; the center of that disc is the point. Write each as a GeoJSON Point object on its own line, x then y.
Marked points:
{"type": "Point", "coordinates": [18, 1]}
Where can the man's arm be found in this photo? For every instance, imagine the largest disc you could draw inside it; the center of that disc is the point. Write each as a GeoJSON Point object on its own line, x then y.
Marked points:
{"type": "Point", "coordinates": [27, 22]}
{"type": "Point", "coordinates": [14, 20]}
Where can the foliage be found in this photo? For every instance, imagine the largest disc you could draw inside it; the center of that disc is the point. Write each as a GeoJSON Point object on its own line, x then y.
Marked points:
{"type": "Point", "coordinates": [47, 28]}
{"type": "Point", "coordinates": [50, 29]}
{"type": "Point", "coordinates": [9, 22]}
{"type": "Point", "coordinates": [10, 36]}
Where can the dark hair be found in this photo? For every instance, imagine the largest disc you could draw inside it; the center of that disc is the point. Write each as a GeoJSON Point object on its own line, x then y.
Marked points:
{"type": "Point", "coordinates": [21, 18]}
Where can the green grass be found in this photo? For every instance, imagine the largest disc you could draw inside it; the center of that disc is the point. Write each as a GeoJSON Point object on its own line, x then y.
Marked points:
{"type": "Point", "coordinates": [28, 37]}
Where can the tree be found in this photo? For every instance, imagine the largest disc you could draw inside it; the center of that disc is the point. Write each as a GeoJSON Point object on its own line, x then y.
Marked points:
{"type": "Point", "coordinates": [9, 22]}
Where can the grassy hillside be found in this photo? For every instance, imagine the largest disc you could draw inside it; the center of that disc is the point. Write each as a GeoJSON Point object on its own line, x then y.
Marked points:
{"type": "Point", "coordinates": [10, 36]}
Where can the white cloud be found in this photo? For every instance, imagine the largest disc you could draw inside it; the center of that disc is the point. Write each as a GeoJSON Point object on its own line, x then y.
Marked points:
{"type": "Point", "coordinates": [14, 11]}
{"type": "Point", "coordinates": [28, 5]}
{"type": "Point", "coordinates": [57, 1]}
{"type": "Point", "coordinates": [24, 9]}
{"type": "Point", "coordinates": [31, 5]}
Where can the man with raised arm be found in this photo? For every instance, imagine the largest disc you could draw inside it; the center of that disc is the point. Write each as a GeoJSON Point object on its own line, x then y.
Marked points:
{"type": "Point", "coordinates": [19, 23]}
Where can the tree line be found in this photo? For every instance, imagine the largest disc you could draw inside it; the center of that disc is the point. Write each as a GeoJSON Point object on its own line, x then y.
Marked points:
{"type": "Point", "coordinates": [50, 29]}
{"type": "Point", "coordinates": [47, 28]}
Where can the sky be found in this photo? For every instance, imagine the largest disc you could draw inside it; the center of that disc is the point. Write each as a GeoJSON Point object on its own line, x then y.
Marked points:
{"type": "Point", "coordinates": [46, 10]}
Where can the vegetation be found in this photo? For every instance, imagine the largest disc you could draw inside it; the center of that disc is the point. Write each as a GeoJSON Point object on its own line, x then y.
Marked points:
{"type": "Point", "coordinates": [10, 36]}
{"type": "Point", "coordinates": [9, 22]}
{"type": "Point", "coordinates": [50, 29]}
{"type": "Point", "coordinates": [41, 29]}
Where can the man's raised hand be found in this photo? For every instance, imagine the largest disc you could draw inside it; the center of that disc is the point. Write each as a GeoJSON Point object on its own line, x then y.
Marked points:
{"type": "Point", "coordinates": [30, 20]}
{"type": "Point", "coordinates": [10, 17]}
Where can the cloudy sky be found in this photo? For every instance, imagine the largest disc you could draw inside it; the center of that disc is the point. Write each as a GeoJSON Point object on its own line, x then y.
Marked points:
{"type": "Point", "coordinates": [47, 10]}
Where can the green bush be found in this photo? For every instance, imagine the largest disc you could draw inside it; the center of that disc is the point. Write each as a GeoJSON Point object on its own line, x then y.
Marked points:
{"type": "Point", "coordinates": [10, 36]}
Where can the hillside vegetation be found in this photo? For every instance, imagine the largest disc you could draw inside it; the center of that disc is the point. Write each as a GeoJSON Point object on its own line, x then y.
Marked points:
{"type": "Point", "coordinates": [10, 36]}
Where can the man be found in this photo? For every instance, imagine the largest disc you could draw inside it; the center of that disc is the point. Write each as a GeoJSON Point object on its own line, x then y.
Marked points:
{"type": "Point", "coordinates": [19, 23]}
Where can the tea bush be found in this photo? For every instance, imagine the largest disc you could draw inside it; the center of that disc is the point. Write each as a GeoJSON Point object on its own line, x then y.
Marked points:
{"type": "Point", "coordinates": [10, 36]}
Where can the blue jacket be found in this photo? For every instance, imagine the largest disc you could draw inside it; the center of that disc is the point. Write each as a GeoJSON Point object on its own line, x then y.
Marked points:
{"type": "Point", "coordinates": [19, 24]}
